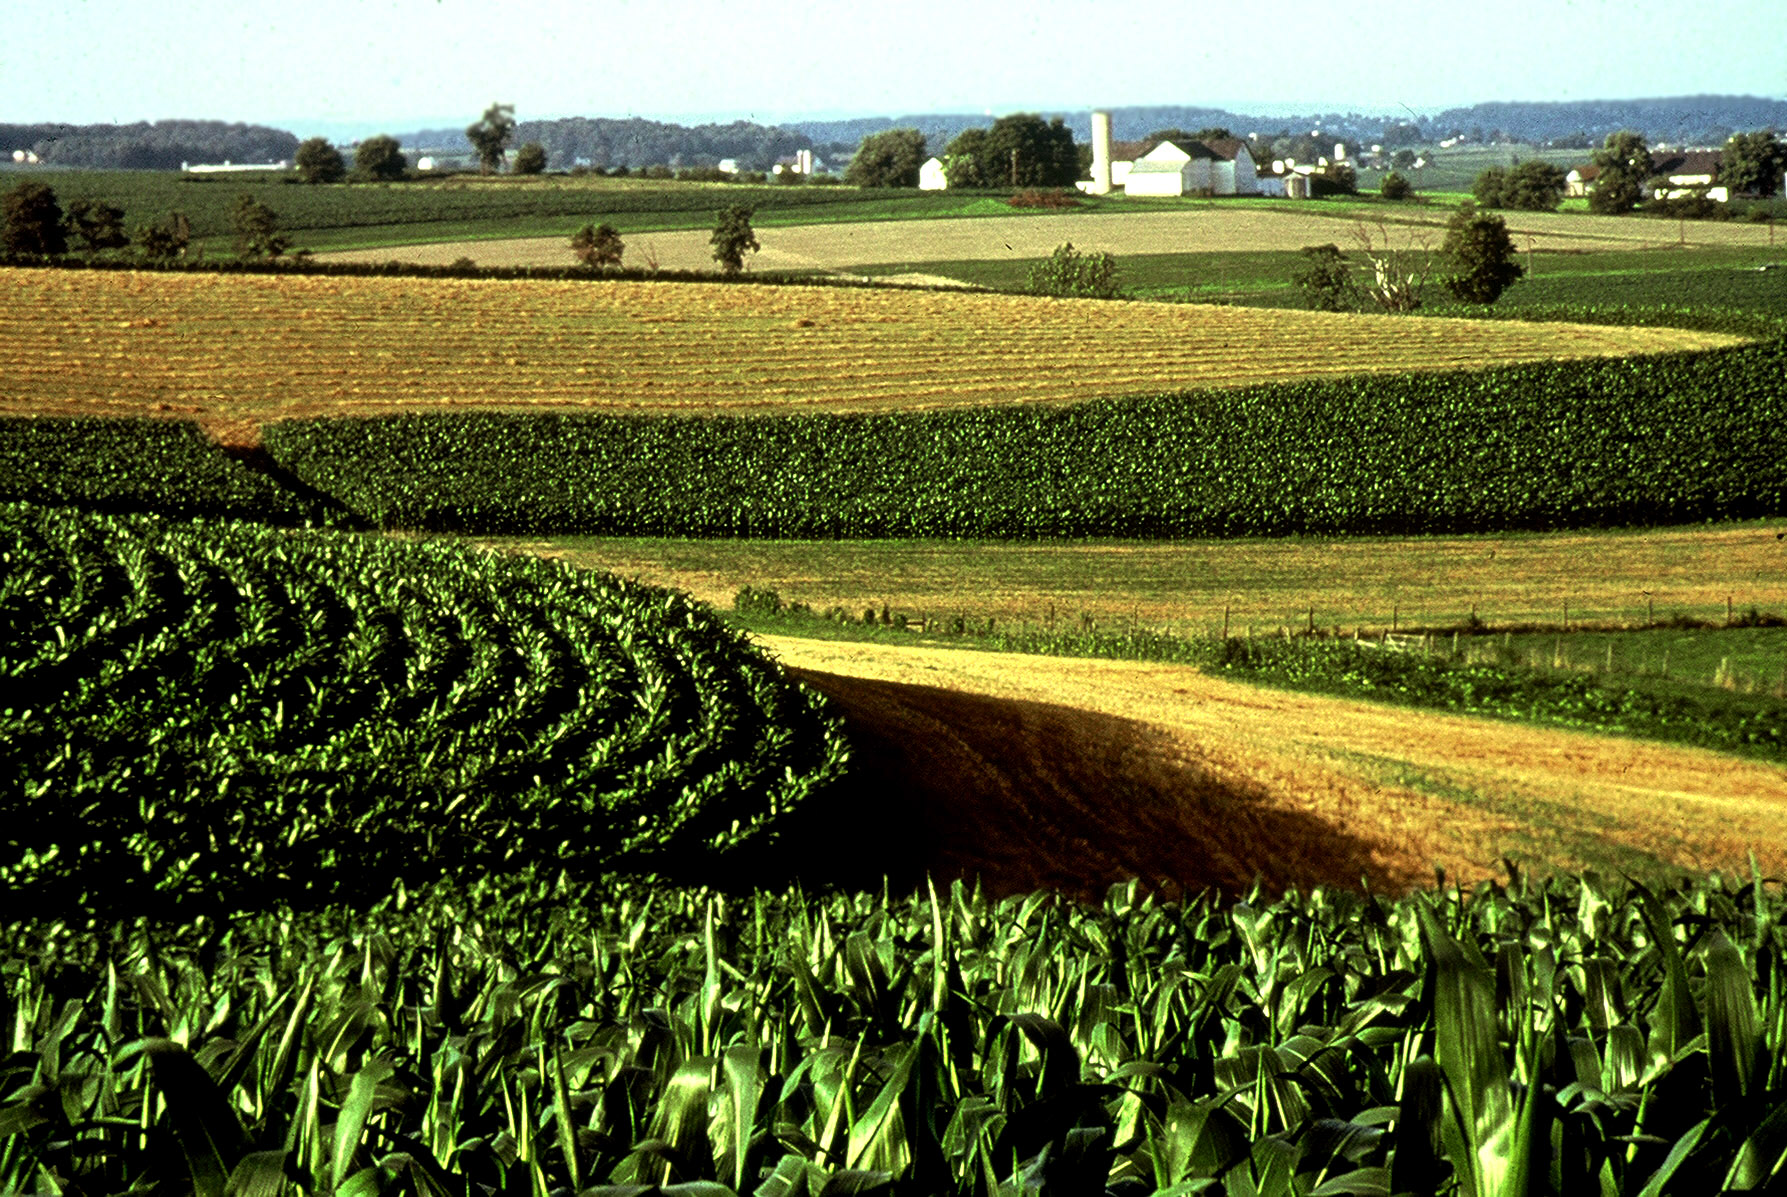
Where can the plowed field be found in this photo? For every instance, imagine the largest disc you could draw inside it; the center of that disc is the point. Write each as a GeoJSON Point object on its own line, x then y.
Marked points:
{"type": "Point", "coordinates": [253, 348]}
{"type": "Point", "coordinates": [1074, 773]}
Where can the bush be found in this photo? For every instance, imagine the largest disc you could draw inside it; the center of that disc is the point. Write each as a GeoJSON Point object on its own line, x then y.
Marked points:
{"type": "Point", "coordinates": [1395, 187]}
{"type": "Point", "coordinates": [257, 228]}
{"type": "Point", "coordinates": [530, 159]}
{"type": "Point", "coordinates": [1326, 280]}
{"type": "Point", "coordinates": [165, 239]}
{"type": "Point", "coordinates": [1058, 197]}
{"type": "Point", "coordinates": [319, 162]}
{"type": "Point", "coordinates": [380, 158]}
{"type": "Point", "coordinates": [1073, 274]}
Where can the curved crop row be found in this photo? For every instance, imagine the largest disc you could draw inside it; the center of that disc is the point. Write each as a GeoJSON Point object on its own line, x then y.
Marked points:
{"type": "Point", "coordinates": [203, 713]}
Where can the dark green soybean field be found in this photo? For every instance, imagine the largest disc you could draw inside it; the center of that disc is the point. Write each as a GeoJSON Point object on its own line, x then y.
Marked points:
{"type": "Point", "coordinates": [1668, 439]}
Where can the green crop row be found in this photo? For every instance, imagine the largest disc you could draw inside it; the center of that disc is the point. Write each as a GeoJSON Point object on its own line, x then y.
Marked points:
{"type": "Point", "coordinates": [1666, 439]}
{"type": "Point", "coordinates": [207, 715]}
{"type": "Point", "coordinates": [1576, 1037]}
{"type": "Point", "coordinates": [167, 466]}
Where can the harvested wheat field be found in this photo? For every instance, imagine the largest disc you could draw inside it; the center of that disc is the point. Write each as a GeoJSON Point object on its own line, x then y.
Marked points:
{"type": "Point", "coordinates": [224, 348]}
{"type": "Point", "coordinates": [1073, 773]}
{"type": "Point", "coordinates": [1209, 228]}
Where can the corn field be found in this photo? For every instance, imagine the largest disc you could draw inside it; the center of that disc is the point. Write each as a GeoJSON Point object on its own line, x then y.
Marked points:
{"type": "Point", "coordinates": [1580, 1036]}
{"type": "Point", "coordinates": [221, 715]}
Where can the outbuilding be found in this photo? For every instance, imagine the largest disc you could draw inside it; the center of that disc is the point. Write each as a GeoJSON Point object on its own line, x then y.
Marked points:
{"type": "Point", "coordinates": [931, 176]}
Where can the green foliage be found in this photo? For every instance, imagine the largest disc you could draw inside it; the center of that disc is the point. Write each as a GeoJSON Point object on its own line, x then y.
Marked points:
{"type": "Point", "coordinates": [257, 229]}
{"type": "Point", "coordinates": [1479, 257]}
{"type": "Point", "coordinates": [209, 717]}
{"type": "Point", "coordinates": [1532, 186]}
{"type": "Point", "coordinates": [1326, 280]}
{"type": "Point", "coordinates": [530, 159]}
{"type": "Point", "coordinates": [1395, 187]}
{"type": "Point", "coordinates": [598, 246]}
{"type": "Point", "coordinates": [31, 222]}
{"type": "Point", "coordinates": [1020, 150]}
{"type": "Point", "coordinates": [380, 159]}
{"type": "Point", "coordinates": [99, 225]}
{"type": "Point", "coordinates": [1625, 163]}
{"type": "Point", "coordinates": [1666, 439]}
{"type": "Point", "coordinates": [490, 133]}
{"type": "Point", "coordinates": [1752, 163]}
{"type": "Point", "coordinates": [889, 159]}
{"type": "Point", "coordinates": [165, 239]}
{"type": "Point", "coordinates": [1569, 1035]}
{"type": "Point", "coordinates": [1071, 273]}
{"type": "Point", "coordinates": [117, 464]}
{"type": "Point", "coordinates": [318, 161]}
{"type": "Point", "coordinates": [733, 238]}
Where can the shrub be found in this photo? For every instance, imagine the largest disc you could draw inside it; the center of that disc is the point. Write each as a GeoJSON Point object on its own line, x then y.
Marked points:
{"type": "Point", "coordinates": [32, 222]}
{"type": "Point", "coordinates": [1480, 256]}
{"type": "Point", "coordinates": [1075, 274]}
{"type": "Point", "coordinates": [530, 159]}
{"type": "Point", "coordinates": [1326, 280]}
{"type": "Point", "coordinates": [1058, 197]}
{"type": "Point", "coordinates": [598, 246]}
{"type": "Point", "coordinates": [1395, 187]}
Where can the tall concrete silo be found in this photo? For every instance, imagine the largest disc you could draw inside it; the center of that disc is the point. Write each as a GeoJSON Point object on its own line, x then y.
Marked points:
{"type": "Point", "coordinates": [1101, 154]}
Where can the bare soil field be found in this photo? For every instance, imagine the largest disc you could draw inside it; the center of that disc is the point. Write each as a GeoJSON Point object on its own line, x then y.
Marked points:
{"type": "Point", "coordinates": [1073, 773]}
{"type": "Point", "coordinates": [1214, 229]}
{"type": "Point", "coordinates": [1604, 577]}
{"type": "Point", "coordinates": [235, 349]}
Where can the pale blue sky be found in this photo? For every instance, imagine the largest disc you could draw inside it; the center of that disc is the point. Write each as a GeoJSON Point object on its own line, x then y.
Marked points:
{"type": "Point", "coordinates": [404, 63]}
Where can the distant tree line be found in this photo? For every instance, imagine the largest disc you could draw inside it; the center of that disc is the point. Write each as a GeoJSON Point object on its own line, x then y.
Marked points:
{"type": "Point", "coordinates": [162, 145]}
{"type": "Point", "coordinates": [605, 143]}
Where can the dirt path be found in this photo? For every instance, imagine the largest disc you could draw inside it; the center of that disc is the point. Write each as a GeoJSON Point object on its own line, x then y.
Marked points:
{"type": "Point", "coordinates": [838, 247]}
{"type": "Point", "coordinates": [1076, 773]}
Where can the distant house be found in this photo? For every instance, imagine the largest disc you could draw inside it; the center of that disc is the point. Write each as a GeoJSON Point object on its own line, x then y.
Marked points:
{"type": "Point", "coordinates": [931, 176]}
{"type": "Point", "coordinates": [1580, 180]}
{"type": "Point", "coordinates": [1689, 172]}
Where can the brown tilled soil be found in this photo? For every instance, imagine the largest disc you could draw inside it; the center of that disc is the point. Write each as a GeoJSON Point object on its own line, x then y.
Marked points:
{"type": "Point", "coordinates": [1074, 773]}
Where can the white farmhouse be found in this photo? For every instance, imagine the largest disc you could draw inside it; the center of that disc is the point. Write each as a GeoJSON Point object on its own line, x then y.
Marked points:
{"type": "Point", "coordinates": [931, 176]}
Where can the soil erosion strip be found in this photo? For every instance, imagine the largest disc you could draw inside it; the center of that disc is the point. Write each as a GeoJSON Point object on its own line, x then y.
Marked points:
{"type": "Point", "coordinates": [1076, 773]}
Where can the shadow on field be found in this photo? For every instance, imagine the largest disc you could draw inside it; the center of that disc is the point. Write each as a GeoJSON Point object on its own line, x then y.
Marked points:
{"type": "Point", "coordinates": [1028, 795]}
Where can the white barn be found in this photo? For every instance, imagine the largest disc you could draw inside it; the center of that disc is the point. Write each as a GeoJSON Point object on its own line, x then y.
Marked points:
{"type": "Point", "coordinates": [931, 176]}
{"type": "Point", "coordinates": [1224, 167]}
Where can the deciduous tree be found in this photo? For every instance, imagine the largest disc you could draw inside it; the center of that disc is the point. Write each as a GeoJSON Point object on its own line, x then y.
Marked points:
{"type": "Point", "coordinates": [490, 133]}
{"type": "Point", "coordinates": [319, 162]}
{"type": "Point", "coordinates": [379, 158]}
{"type": "Point", "coordinates": [1479, 256]}
{"type": "Point", "coordinates": [163, 239]}
{"type": "Point", "coordinates": [1751, 163]}
{"type": "Point", "coordinates": [32, 221]}
{"type": "Point", "coordinates": [1075, 274]}
{"type": "Point", "coordinates": [1020, 150]}
{"type": "Point", "coordinates": [733, 238]}
{"type": "Point", "coordinates": [1326, 280]}
{"type": "Point", "coordinates": [257, 228]}
{"type": "Point", "coordinates": [1395, 186]}
{"type": "Point", "coordinates": [1625, 163]}
{"type": "Point", "coordinates": [530, 159]}
{"type": "Point", "coordinates": [99, 225]}
{"type": "Point", "coordinates": [888, 159]}
{"type": "Point", "coordinates": [598, 246]}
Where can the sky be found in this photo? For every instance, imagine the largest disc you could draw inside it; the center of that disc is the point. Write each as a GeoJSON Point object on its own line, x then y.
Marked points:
{"type": "Point", "coordinates": [403, 64]}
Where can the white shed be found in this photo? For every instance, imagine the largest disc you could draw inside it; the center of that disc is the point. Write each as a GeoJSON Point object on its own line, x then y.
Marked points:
{"type": "Point", "coordinates": [931, 176]}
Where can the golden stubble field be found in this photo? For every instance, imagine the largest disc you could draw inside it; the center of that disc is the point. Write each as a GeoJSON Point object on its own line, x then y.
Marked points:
{"type": "Point", "coordinates": [1070, 772]}
{"type": "Point", "coordinates": [252, 348]}
{"type": "Point", "coordinates": [1213, 228]}
{"type": "Point", "coordinates": [1621, 577]}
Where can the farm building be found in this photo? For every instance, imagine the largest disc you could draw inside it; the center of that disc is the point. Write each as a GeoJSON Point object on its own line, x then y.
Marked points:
{"type": "Point", "coordinates": [1224, 167]}
{"type": "Point", "coordinates": [931, 176]}
{"type": "Point", "coordinates": [1580, 179]}
{"type": "Point", "coordinates": [1690, 172]}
